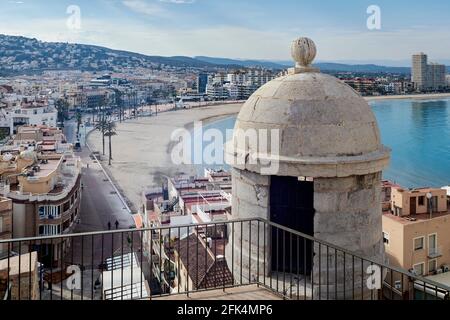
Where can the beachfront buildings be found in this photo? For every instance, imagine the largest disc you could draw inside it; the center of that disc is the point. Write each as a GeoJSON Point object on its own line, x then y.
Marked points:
{"type": "Point", "coordinates": [237, 85]}
{"type": "Point", "coordinates": [427, 77]}
{"type": "Point", "coordinates": [16, 111]}
{"type": "Point", "coordinates": [41, 175]}
{"type": "Point", "coordinates": [202, 81]}
{"type": "Point", "coordinates": [415, 231]}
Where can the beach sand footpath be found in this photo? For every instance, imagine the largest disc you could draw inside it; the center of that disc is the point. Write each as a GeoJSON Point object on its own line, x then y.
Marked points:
{"type": "Point", "coordinates": [141, 148]}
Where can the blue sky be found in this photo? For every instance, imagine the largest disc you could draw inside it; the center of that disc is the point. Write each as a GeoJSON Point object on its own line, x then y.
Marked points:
{"type": "Point", "coordinates": [257, 29]}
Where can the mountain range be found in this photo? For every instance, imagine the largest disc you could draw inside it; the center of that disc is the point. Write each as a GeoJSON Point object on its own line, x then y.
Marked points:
{"type": "Point", "coordinates": [325, 66]}
{"type": "Point", "coordinates": [24, 55]}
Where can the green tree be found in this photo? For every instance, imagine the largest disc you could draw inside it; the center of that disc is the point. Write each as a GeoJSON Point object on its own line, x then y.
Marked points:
{"type": "Point", "coordinates": [62, 108]}
{"type": "Point", "coordinates": [119, 102]}
{"type": "Point", "coordinates": [79, 119]}
{"type": "Point", "coordinates": [101, 126]}
{"type": "Point", "coordinates": [110, 130]}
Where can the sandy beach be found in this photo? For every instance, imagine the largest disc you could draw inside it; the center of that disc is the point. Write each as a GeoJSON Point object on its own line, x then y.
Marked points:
{"type": "Point", "coordinates": [141, 149]}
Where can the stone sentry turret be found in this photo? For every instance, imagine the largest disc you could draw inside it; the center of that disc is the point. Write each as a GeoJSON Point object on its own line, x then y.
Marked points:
{"type": "Point", "coordinates": [327, 177]}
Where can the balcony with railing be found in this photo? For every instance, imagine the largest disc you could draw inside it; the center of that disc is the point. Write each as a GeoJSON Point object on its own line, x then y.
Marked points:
{"type": "Point", "coordinates": [246, 259]}
{"type": "Point", "coordinates": [434, 252]}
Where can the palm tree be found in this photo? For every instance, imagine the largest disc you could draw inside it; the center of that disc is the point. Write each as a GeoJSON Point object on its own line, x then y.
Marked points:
{"type": "Point", "coordinates": [101, 126]}
{"type": "Point", "coordinates": [79, 118]}
{"type": "Point", "coordinates": [62, 107]}
{"type": "Point", "coordinates": [119, 102]}
{"type": "Point", "coordinates": [110, 130]}
{"type": "Point", "coordinates": [129, 94]}
{"type": "Point", "coordinates": [135, 103]}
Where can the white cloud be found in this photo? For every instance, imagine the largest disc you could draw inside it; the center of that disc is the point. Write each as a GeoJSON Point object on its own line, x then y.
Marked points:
{"type": "Point", "coordinates": [178, 1]}
{"type": "Point", "coordinates": [144, 7]}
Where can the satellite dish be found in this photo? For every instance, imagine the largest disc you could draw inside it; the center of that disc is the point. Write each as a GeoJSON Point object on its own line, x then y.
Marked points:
{"type": "Point", "coordinates": [7, 157]}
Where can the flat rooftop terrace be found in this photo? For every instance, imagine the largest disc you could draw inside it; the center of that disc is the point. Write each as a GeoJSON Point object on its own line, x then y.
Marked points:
{"type": "Point", "coordinates": [416, 218]}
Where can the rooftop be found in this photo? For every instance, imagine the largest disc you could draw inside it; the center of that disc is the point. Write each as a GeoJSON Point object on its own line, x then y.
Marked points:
{"type": "Point", "coordinates": [198, 259]}
{"type": "Point", "coordinates": [416, 218]}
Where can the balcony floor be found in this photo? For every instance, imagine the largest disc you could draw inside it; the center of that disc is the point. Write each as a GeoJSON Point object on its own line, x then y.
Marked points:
{"type": "Point", "coordinates": [250, 292]}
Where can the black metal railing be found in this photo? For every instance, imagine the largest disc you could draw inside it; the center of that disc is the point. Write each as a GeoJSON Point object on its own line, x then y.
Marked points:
{"type": "Point", "coordinates": [187, 259]}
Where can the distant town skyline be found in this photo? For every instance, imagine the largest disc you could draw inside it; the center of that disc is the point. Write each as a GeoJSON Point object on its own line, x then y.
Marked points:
{"type": "Point", "coordinates": [239, 29]}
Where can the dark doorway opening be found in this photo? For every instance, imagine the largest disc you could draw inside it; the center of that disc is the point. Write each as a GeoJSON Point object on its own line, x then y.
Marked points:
{"type": "Point", "coordinates": [412, 205]}
{"type": "Point", "coordinates": [292, 205]}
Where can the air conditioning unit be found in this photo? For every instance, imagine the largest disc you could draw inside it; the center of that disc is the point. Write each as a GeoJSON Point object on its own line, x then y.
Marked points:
{"type": "Point", "coordinates": [445, 268]}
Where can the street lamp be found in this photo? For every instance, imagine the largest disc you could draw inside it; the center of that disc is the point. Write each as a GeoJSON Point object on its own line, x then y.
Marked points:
{"type": "Point", "coordinates": [430, 208]}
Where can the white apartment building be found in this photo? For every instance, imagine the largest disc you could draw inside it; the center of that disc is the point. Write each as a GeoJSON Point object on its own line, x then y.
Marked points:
{"type": "Point", "coordinates": [237, 77]}
{"type": "Point", "coordinates": [27, 114]}
{"type": "Point", "coordinates": [427, 76]}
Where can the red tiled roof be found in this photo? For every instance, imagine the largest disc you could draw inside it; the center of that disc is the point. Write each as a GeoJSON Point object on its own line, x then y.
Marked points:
{"type": "Point", "coordinates": [204, 270]}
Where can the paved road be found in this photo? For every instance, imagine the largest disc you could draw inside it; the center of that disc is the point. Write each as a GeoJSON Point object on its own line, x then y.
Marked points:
{"type": "Point", "coordinates": [100, 203]}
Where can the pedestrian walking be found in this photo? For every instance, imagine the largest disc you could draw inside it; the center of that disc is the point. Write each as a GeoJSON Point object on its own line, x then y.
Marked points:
{"type": "Point", "coordinates": [117, 224]}
{"type": "Point", "coordinates": [109, 225]}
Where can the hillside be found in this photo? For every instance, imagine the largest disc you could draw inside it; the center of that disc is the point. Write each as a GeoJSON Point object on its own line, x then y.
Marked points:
{"type": "Point", "coordinates": [324, 66]}
{"type": "Point", "coordinates": [22, 55]}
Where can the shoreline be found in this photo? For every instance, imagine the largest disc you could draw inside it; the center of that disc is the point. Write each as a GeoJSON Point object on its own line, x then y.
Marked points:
{"type": "Point", "coordinates": [142, 148]}
{"type": "Point", "coordinates": [426, 96]}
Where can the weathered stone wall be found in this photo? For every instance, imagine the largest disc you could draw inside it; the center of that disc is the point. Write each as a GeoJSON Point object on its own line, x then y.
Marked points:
{"type": "Point", "coordinates": [248, 252]}
{"type": "Point", "coordinates": [348, 215]}
{"type": "Point", "coordinates": [22, 270]}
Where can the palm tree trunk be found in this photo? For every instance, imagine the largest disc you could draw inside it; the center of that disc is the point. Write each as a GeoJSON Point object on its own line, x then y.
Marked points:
{"type": "Point", "coordinates": [110, 151]}
{"type": "Point", "coordinates": [103, 141]}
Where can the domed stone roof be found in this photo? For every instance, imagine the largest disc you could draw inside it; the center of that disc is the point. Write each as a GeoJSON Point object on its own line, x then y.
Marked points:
{"type": "Point", "coordinates": [320, 119]}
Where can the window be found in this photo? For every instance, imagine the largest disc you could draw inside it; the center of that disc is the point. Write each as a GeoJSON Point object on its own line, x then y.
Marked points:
{"type": "Point", "coordinates": [1, 224]}
{"type": "Point", "coordinates": [386, 238]}
{"type": "Point", "coordinates": [434, 203]}
{"type": "Point", "coordinates": [49, 212]}
{"type": "Point", "coordinates": [432, 243]}
{"type": "Point", "coordinates": [432, 266]}
{"type": "Point", "coordinates": [49, 229]}
{"type": "Point", "coordinates": [418, 268]}
{"type": "Point", "coordinates": [421, 200]}
{"type": "Point", "coordinates": [419, 243]}
{"type": "Point", "coordinates": [66, 206]}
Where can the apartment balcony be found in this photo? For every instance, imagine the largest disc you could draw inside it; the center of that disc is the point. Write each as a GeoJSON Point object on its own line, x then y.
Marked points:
{"type": "Point", "coordinates": [434, 252]}
{"type": "Point", "coordinates": [248, 262]}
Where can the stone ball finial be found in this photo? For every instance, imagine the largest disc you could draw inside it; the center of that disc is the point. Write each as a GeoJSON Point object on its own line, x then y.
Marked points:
{"type": "Point", "coordinates": [303, 51]}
